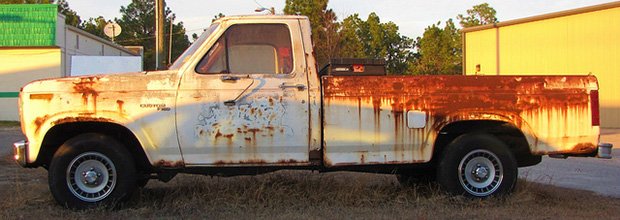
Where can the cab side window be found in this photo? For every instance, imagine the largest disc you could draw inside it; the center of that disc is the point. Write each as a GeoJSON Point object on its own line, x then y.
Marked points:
{"type": "Point", "coordinates": [250, 48]}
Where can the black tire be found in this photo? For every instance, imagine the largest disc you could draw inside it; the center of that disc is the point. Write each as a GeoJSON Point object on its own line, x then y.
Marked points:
{"type": "Point", "coordinates": [91, 170]}
{"type": "Point", "coordinates": [477, 165]}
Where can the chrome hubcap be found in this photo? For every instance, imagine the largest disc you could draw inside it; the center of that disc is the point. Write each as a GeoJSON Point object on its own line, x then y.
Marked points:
{"type": "Point", "coordinates": [480, 172]}
{"type": "Point", "coordinates": [91, 176]}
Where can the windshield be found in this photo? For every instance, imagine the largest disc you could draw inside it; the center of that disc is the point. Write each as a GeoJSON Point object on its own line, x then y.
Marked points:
{"type": "Point", "coordinates": [192, 49]}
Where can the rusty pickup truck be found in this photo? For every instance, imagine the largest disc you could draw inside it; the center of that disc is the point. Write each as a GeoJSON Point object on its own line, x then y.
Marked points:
{"type": "Point", "coordinates": [247, 98]}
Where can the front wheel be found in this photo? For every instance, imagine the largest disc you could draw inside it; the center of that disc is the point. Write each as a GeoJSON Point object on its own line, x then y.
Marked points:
{"type": "Point", "coordinates": [477, 165]}
{"type": "Point", "coordinates": [90, 170]}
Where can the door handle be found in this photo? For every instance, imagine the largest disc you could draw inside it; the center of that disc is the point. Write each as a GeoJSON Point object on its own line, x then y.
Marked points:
{"type": "Point", "coordinates": [225, 78]}
{"type": "Point", "coordinates": [230, 103]}
{"type": "Point", "coordinates": [300, 87]}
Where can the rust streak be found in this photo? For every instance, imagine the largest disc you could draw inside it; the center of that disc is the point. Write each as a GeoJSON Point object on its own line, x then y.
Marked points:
{"type": "Point", "coordinates": [120, 105]}
{"type": "Point", "coordinates": [85, 87]}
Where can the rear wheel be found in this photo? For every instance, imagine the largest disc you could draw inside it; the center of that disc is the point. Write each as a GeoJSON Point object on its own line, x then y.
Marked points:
{"type": "Point", "coordinates": [91, 170]}
{"type": "Point", "coordinates": [477, 165]}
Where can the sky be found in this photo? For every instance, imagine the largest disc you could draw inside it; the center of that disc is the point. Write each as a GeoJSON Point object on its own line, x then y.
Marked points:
{"type": "Point", "coordinates": [412, 16]}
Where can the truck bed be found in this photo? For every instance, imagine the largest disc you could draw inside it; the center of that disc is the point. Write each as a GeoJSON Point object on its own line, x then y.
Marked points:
{"type": "Point", "coordinates": [396, 119]}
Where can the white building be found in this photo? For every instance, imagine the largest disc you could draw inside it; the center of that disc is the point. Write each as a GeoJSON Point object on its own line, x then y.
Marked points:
{"type": "Point", "coordinates": [36, 44]}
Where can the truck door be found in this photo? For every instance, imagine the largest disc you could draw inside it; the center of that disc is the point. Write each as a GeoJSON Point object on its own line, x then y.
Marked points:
{"type": "Point", "coordinates": [246, 101]}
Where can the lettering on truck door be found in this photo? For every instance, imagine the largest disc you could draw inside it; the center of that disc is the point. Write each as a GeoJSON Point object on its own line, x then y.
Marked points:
{"type": "Point", "coordinates": [246, 101]}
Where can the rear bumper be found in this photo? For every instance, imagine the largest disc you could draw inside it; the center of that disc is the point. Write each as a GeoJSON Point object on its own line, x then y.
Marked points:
{"type": "Point", "coordinates": [20, 152]}
{"type": "Point", "coordinates": [604, 150]}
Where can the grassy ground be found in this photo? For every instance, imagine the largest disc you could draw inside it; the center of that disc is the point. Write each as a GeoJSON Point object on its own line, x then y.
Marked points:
{"type": "Point", "coordinates": [301, 195]}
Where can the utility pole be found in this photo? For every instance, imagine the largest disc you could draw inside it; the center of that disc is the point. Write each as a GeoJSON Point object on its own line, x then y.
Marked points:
{"type": "Point", "coordinates": [159, 38]}
{"type": "Point", "coordinates": [170, 43]}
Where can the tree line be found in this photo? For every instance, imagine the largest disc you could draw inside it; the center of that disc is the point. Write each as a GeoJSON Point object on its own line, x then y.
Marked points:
{"type": "Point", "coordinates": [437, 51]}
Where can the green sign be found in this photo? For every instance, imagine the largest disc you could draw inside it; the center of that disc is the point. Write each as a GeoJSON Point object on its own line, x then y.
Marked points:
{"type": "Point", "coordinates": [23, 25]}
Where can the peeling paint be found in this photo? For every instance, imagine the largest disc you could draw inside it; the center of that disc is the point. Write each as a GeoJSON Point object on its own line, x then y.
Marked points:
{"type": "Point", "coordinates": [261, 117]}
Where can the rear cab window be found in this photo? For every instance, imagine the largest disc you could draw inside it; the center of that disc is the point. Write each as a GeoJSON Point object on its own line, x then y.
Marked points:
{"type": "Point", "coordinates": [250, 49]}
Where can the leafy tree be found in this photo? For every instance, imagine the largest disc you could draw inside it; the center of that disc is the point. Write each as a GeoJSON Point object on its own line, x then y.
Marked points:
{"type": "Point", "coordinates": [95, 26]}
{"type": "Point", "coordinates": [323, 23]}
{"type": "Point", "coordinates": [439, 50]}
{"type": "Point", "coordinates": [71, 17]}
{"type": "Point", "coordinates": [353, 37]}
{"type": "Point", "coordinates": [351, 44]}
{"type": "Point", "coordinates": [138, 23]}
{"type": "Point", "coordinates": [478, 15]}
{"type": "Point", "coordinates": [218, 16]}
{"type": "Point", "coordinates": [373, 39]}
{"type": "Point", "coordinates": [399, 49]}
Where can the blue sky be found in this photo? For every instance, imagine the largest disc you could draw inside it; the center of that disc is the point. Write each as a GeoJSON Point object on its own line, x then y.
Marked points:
{"type": "Point", "coordinates": [412, 16]}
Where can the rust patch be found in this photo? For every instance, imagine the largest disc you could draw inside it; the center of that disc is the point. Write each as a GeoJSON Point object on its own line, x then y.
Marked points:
{"type": "Point", "coordinates": [85, 87]}
{"type": "Point", "coordinates": [288, 161]}
{"type": "Point", "coordinates": [80, 119]}
{"type": "Point", "coordinates": [38, 122]}
{"type": "Point", "coordinates": [581, 148]}
{"type": "Point", "coordinates": [169, 164]}
{"type": "Point", "coordinates": [250, 161]}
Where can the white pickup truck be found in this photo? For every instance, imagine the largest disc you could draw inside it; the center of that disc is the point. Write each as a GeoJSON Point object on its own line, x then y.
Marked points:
{"type": "Point", "coordinates": [247, 98]}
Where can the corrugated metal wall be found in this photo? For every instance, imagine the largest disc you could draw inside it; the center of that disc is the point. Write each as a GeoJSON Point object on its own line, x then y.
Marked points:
{"type": "Point", "coordinates": [575, 44]}
{"type": "Point", "coordinates": [480, 50]}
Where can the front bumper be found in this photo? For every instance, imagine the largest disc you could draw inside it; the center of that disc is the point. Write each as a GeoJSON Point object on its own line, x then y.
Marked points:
{"type": "Point", "coordinates": [20, 152]}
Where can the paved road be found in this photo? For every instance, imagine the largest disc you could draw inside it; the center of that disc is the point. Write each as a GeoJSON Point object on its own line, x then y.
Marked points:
{"type": "Point", "coordinates": [598, 175]}
{"type": "Point", "coordinates": [8, 136]}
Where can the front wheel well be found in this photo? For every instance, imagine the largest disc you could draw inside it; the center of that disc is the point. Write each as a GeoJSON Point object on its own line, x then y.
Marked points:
{"type": "Point", "coordinates": [512, 136]}
{"type": "Point", "coordinates": [59, 134]}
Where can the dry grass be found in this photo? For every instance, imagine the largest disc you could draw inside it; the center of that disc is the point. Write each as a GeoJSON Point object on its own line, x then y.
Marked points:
{"type": "Point", "coordinates": [301, 195]}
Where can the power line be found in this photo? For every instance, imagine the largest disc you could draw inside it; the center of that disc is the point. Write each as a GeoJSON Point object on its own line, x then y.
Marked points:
{"type": "Point", "coordinates": [153, 37]}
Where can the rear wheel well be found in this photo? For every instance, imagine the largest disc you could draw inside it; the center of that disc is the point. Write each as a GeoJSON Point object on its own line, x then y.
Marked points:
{"type": "Point", "coordinates": [504, 131]}
{"type": "Point", "coordinates": [59, 134]}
